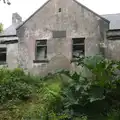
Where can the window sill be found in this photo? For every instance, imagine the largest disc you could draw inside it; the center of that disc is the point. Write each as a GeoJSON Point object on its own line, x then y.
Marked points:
{"type": "Point", "coordinates": [40, 61]}
{"type": "Point", "coordinates": [3, 63]}
{"type": "Point", "coordinates": [74, 60]}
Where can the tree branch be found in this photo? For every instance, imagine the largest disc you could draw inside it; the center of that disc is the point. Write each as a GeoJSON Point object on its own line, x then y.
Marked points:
{"type": "Point", "coordinates": [6, 1]}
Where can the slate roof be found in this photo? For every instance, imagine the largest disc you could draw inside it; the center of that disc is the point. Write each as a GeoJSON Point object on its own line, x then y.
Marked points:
{"type": "Point", "coordinates": [11, 30]}
{"type": "Point", "coordinates": [114, 20]}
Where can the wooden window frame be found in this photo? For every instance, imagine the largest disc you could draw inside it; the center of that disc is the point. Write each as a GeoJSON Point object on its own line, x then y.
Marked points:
{"type": "Point", "coordinates": [36, 47]}
{"type": "Point", "coordinates": [81, 43]}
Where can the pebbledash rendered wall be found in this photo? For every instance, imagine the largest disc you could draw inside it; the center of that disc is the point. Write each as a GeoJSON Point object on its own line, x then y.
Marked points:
{"type": "Point", "coordinates": [59, 15]}
{"type": "Point", "coordinates": [11, 45]}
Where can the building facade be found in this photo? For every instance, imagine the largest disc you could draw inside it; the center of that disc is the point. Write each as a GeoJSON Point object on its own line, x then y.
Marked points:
{"type": "Point", "coordinates": [53, 36]}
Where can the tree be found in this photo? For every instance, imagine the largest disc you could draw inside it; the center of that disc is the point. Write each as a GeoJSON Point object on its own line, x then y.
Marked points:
{"type": "Point", "coordinates": [6, 1]}
{"type": "Point", "coordinates": [1, 27]}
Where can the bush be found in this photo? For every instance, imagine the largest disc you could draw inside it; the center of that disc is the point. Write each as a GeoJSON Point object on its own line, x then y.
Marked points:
{"type": "Point", "coordinates": [94, 96]}
{"type": "Point", "coordinates": [63, 95]}
{"type": "Point", "coordinates": [14, 85]}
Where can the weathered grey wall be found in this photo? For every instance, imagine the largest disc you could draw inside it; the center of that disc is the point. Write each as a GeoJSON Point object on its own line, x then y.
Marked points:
{"type": "Point", "coordinates": [11, 55]}
{"type": "Point", "coordinates": [113, 46]}
{"type": "Point", "coordinates": [73, 18]}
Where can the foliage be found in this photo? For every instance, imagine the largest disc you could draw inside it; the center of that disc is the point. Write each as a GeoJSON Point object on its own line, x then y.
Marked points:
{"type": "Point", "coordinates": [1, 27]}
{"type": "Point", "coordinates": [15, 85]}
{"type": "Point", "coordinates": [63, 95]}
{"type": "Point", "coordinates": [100, 89]}
{"type": "Point", "coordinates": [114, 115]}
{"type": "Point", "coordinates": [26, 97]}
{"type": "Point", "coordinates": [16, 89]}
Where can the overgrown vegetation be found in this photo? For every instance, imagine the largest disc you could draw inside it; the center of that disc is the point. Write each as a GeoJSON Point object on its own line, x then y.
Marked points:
{"type": "Point", "coordinates": [89, 95]}
{"type": "Point", "coordinates": [1, 27]}
{"type": "Point", "coordinates": [95, 95]}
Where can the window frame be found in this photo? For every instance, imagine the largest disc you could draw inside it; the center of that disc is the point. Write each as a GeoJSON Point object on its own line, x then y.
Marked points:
{"type": "Point", "coordinates": [78, 44]}
{"type": "Point", "coordinates": [36, 48]}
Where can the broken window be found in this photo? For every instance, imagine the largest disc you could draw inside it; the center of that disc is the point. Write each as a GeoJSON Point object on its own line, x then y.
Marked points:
{"type": "Point", "coordinates": [78, 47]}
{"type": "Point", "coordinates": [41, 49]}
{"type": "Point", "coordinates": [3, 52]}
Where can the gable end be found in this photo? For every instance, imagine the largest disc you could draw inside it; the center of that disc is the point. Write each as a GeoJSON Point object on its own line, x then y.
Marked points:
{"type": "Point", "coordinates": [33, 14]}
{"type": "Point", "coordinates": [91, 11]}
{"type": "Point", "coordinates": [74, 1]}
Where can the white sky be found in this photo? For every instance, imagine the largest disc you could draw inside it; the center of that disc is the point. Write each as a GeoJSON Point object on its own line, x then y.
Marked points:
{"type": "Point", "coordinates": [26, 7]}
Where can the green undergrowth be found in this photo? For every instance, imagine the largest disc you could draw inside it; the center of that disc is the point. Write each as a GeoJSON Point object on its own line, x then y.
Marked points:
{"type": "Point", "coordinates": [91, 94]}
{"type": "Point", "coordinates": [26, 97]}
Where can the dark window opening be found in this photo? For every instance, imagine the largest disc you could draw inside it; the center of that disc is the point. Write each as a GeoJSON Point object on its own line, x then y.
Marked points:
{"type": "Point", "coordinates": [41, 49]}
{"type": "Point", "coordinates": [60, 9]}
{"type": "Point", "coordinates": [78, 40]}
{"type": "Point", "coordinates": [78, 47]}
{"type": "Point", "coordinates": [3, 55]}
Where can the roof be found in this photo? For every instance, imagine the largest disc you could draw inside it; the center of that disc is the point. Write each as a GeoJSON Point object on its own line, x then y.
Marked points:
{"type": "Point", "coordinates": [11, 30]}
{"type": "Point", "coordinates": [114, 20]}
{"type": "Point", "coordinates": [74, 1]}
{"type": "Point", "coordinates": [114, 30]}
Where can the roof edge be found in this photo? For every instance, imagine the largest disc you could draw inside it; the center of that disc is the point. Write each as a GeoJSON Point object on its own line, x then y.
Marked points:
{"type": "Point", "coordinates": [9, 42]}
{"type": "Point", "coordinates": [91, 11]}
{"type": "Point", "coordinates": [8, 36]}
{"type": "Point", "coordinates": [113, 30]}
{"type": "Point", "coordinates": [32, 14]}
{"type": "Point", "coordinates": [110, 14]}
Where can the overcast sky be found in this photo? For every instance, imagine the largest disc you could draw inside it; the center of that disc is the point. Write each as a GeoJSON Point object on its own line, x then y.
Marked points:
{"type": "Point", "coordinates": [26, 7]}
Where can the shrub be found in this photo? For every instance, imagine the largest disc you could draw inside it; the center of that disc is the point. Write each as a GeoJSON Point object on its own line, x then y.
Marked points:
{"type": "Point", "coordinates": [14, 84]}
{"type": "Point", "coordinates": [100, 89]}
{"type": "Point", "coordinates": [63, 95]}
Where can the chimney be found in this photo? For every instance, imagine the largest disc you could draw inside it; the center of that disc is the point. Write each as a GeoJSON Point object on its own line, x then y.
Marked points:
{"type": "Point", "coordinates": [16, 18]}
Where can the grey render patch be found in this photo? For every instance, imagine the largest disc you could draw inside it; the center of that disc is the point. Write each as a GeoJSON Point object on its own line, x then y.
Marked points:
{"type": "Point", "coordinates": [59, 34]}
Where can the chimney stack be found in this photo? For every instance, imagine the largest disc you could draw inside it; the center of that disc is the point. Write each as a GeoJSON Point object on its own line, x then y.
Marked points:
{"type": "Point", "coordinates": [16, 18]}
